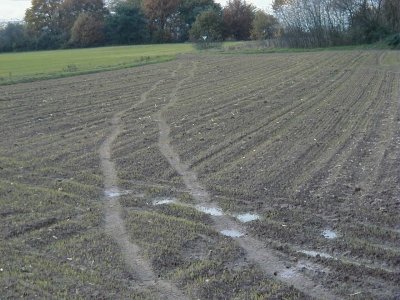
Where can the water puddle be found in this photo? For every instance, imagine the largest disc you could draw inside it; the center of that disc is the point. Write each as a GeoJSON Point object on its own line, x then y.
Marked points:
{"type": "Point", "coordinates": [112, 193]}
{"type": "Point", "coordinates": [213, 211]}
{"type": "Point", "coordinates": [162, 201]}
{"type": "Point", "coordinates": [115, 192]}
{"type": "Point", "coordinates": [329, 234]}
{"type": "Point", "coordinates": [231, 233]}
{"type": "Point", "coordinates": [289, 273]}
{"type": "Point", "coordinates": [141, 195]}
{"type": "Point", "coordinates": [315, 254]}
{"type": "Point", "coordinates": [248, 217]}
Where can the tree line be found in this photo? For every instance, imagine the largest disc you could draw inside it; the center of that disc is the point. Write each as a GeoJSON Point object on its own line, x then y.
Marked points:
{"type": "Point", "coordinates": [57, 24]}
{"type": "Point", "coordinates": [321, 23]}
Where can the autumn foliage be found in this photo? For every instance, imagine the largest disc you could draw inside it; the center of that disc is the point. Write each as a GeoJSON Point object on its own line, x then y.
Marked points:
{"type": "Point", "coordinates": [52, 24]}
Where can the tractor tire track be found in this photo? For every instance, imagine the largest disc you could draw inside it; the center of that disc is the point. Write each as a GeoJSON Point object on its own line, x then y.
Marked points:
{"type": "Point", "coordinates": [114, 222]}
{"type": "Point", "coordinates": [256, 250]}
{"type": "Point", "coordinates": [164, 144]}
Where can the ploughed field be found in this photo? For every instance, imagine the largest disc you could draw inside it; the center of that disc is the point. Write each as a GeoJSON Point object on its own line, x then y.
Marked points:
{"type": "Point", "coordinates": [212, 176]}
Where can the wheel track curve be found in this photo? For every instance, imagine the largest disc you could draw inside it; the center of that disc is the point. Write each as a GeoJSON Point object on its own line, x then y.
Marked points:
{"type": "Point", "coordinates": [256, 250]}
{"type": "Point", "coordinates": [114, 223]}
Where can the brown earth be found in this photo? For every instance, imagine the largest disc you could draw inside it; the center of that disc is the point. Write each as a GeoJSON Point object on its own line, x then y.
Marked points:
{"type": "Point", "coordinates": [309, 141]}
{"type": "Point", "coordinates": [113, 213]}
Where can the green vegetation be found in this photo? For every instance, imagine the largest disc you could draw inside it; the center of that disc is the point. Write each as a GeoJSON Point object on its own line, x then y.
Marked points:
{"type": "Point", "coordinates": [38, 65]}
{"type": "Point", "coordinates": [61, 24]}
{"type": "Point", "coordinates": [260, 47]}
{"type": "Point", "coordinates": [28, 66]}
{"type": "Point", "coordinates": [206, 30]}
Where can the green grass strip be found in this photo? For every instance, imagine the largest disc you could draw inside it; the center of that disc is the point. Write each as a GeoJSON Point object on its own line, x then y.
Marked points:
{"type": "Point", "coordinates": [38, 65]}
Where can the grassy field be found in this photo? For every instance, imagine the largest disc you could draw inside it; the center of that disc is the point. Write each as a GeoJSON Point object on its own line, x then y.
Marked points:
{"type": "Point", "coordinates": [159, 163]}
{"type": "Point", "coordinates": [27, 66]}
{"type": "Point", "coordinates": [39, 65]}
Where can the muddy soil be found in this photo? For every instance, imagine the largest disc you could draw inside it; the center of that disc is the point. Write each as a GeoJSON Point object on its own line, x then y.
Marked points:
{"type": "Point", "coordinates": [312, 145]}
{"type": "Point", "coordinates": [272, 176]}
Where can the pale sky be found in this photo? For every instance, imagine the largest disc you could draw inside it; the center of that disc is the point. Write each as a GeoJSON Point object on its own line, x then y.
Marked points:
{"type": "Point", "coordinates": [263, 4]}
{"type": "Point", "coordinates": [15, 9]}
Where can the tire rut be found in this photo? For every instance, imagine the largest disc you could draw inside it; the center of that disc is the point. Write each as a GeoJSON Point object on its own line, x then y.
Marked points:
{"type": "Point", "coordinates": [256, 250]}
{"type": "Point", "coordinates": [114, 223]}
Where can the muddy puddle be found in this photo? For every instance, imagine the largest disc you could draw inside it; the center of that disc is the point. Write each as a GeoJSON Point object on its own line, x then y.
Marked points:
{"type": "Point", "coordinates": [315, 253]}
{"type": "Point", "coordinates": [289, 273]}
{"type": "Point", "coordinates": [247, 217]}
{"type": "Point", "coordinates": [231, 233]}
{"type": "Point", "coordinates": [115, 192]}
{"type": "Point", "coordinates": [209, 210]}
{"type": "Point", "coordinates": [329, 234]}
{"type": "Point", "coordinates": [212, 211]}
{"type": "Point", "coordinates": [164, 201]}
